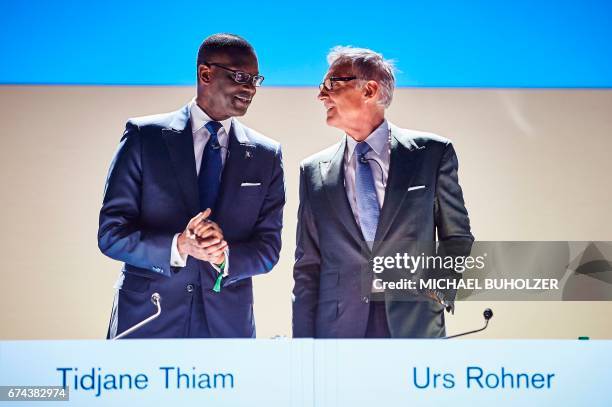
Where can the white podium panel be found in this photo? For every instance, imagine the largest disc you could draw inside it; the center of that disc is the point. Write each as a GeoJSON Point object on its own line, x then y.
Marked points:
{"type": "Point", "coordinates": [321, 373]}
{"type": "Point", "coordinates": [231, 372]}
{"type": "Point", "coordinates": [463, 373]}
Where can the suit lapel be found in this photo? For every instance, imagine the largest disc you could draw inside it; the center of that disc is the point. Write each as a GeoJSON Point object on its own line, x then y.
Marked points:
{"type": "Point", "coordinates": [179, 141]}
{"type": "Point", "coordinates": [404, 161]}
{"type": "Point", "coordinates": [240, 153]}
{"type": "Point", "coordinates": [332, 176]}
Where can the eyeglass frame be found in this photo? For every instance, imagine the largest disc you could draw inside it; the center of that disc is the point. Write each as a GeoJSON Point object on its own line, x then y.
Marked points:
{"type": "Point", "coordinates": [333, 79]}
{"type": "Point", "coordinates": [255, 80]}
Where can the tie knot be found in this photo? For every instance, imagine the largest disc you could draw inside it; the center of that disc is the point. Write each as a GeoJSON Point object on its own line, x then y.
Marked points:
{"type": "Point", "coordinates": [362, 148]}
{"type": "Point", "coordinates": [213, 127]}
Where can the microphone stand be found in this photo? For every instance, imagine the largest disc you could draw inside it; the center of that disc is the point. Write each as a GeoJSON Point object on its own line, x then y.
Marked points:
{"type": "Point", "coordinates": [487, 314]}
{"type": "Point", "coordinates": [156, 300]}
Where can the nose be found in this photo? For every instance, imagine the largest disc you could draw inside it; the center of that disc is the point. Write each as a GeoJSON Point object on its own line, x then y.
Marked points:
{"type": "Point", "coordinates": [250, 88]}
{"type": "Point", "coordinates": [323, 95]}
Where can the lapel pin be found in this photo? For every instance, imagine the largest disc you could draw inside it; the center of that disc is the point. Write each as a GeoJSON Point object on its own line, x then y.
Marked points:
{"type": "Point", "coordinates": [247, 154]}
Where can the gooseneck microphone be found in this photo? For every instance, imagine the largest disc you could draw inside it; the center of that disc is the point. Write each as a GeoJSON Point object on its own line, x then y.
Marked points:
{"type": "Point", "coordinates": [487, 314]}
{"type": "Point", "coordinates": [156, 300]}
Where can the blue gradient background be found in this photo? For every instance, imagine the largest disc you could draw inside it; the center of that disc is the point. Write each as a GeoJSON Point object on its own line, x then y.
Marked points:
{"type": "Point", "coordinates": [478, 43]}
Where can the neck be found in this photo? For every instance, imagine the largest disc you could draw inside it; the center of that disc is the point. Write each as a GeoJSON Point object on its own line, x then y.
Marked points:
{"type": "Point", "coordinates": [365, 129]}
{"type": "Point", "coordinates": [202, 102]}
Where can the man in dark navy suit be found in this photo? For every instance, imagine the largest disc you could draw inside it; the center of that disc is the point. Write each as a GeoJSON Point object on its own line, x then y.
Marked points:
{"type": "Point", "coordinates": [193, 206]}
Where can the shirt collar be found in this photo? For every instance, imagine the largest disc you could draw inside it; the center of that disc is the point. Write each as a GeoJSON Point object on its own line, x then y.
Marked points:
{"type": "Point", "coordinates": [377, 140]}
{"type": "Point", "coordinates": [199, 118]}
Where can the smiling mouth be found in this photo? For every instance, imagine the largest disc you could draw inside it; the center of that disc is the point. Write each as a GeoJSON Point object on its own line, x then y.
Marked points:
{"type": "Point", "coordinates": [243, 99]}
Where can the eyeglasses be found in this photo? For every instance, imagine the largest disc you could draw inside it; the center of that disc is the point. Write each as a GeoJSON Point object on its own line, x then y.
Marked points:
{"type": "Point", "coordinates": [328, 84]}
{"type": "Point", "coordinates": [239, 76]}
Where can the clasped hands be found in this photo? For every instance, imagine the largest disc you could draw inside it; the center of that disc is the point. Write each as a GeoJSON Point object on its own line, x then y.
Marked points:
{"type": "Point", "coordinates": [203, 239]}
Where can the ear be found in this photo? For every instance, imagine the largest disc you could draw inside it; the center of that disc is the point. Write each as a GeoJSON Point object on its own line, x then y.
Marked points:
{"type": "Point", "coordinates": [370, 90]}
{"type": "Point", "coordinates": [203, 74]}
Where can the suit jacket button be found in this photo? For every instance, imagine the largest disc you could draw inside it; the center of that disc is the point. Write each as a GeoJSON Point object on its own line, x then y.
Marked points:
{"type": "Point", "coordinates": [189, 288]}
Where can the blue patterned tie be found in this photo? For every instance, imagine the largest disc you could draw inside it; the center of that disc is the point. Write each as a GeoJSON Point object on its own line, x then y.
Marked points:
{"type": "Point", "coordinates": [365, 190]}
{"type": "Point", "coordinates": [209, 179]}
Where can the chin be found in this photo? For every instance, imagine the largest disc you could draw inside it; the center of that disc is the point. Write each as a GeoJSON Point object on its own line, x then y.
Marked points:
{"type": "Point", "coordinates": [331, 121]}
{"type": "Point", "coordinates": [240, 110]}
{"type": "Point", "coordinates": [334, 122]}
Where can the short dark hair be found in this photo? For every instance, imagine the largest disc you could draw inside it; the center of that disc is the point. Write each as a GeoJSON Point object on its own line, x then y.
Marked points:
{"type": "Point", "coordinates": [222, 43]}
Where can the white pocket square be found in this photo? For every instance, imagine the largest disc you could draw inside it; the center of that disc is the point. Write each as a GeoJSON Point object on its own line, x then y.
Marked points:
{"type": "Point", "coordinates": [250, 184]}
{"type": "Point", "coordinates": [416, 187]}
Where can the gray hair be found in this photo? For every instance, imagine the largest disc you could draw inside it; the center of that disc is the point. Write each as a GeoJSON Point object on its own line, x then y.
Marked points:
{"type": "Point", "coordinates": [367, 65]}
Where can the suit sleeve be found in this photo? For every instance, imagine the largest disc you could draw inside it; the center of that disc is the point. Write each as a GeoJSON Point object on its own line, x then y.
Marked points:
{"type": "Point", "coordinates": [120, 235]}
{"type": "Point", "coordinates": [307, 267]}
{"type": "Point", "coordinates": [260, 252]}
{"type": "Point", "coordinates": [451, 217]}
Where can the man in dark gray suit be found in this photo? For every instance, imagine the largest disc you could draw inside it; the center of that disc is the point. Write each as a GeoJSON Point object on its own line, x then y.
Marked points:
{"type": "Point", "coordinates": [379, 184]}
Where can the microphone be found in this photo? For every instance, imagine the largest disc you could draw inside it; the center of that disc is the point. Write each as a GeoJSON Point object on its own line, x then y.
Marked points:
{"type": "Point", "coordinates": [487, 314]}
{"type": "Point", "coordinates": [156, 300]}
{"type": "Point", "coordinates": [218, 146]}
{"type": "Point", "coordinates": [364, 160]}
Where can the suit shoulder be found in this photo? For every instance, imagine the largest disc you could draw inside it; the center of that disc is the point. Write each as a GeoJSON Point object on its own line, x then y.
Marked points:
{"type": "Point", "coordinates": [321, 156]}
{"type": "Point", "coordinates": [161, 120]}
{"type": "Point", "coordinates": [425, 138]}
{"type": "Point", "coordinates": [260, 140]}
{"type": "Point", "coordinates": [152, 125]}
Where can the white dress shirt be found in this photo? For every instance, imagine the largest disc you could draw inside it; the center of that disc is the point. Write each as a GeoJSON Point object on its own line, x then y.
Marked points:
{"type": "Point", "coordinates": [378, 157]}
{"type": "Point", "coordinates": [201, 135]}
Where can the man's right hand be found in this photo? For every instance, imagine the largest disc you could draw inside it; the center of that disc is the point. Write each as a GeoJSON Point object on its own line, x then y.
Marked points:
{"type": "Point", "coordinates": [211, 249]}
